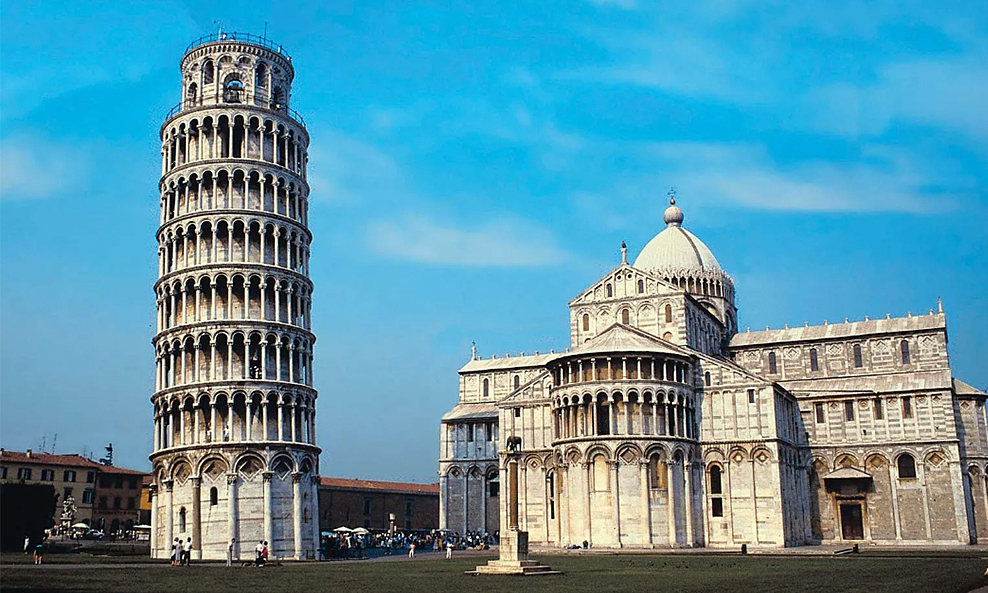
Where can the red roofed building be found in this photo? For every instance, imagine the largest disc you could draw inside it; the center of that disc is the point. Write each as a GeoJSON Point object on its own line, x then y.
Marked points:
{"type": "Point", "coordinates": [370, 504]}
{"type": "Point", "coordinates": [106, 497]}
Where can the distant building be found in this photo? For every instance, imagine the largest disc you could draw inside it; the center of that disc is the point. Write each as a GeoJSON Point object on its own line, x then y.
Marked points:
{"type": "Point", "coordinates": [370, 504]}
{"type": "Point", "coordinates": [661, 425]}
{"type": "Point", "coordinates": [106, 497]}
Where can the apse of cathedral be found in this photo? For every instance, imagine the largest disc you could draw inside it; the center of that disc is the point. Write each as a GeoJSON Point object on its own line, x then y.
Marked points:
{"type": "Point", "coordinates": [662, 426]}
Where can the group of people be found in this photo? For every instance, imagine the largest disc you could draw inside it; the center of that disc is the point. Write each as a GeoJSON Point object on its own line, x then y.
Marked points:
{"type": "Point", "coordinates": [181, 552]}
{"type": "Point", "coordinates": [344, 545]}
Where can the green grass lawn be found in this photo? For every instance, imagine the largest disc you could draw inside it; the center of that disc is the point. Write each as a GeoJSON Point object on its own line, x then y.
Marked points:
{"type": "Point", "coordinates": [638, 572]}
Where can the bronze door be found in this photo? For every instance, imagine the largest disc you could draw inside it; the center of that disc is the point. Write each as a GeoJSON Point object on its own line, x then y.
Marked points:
{"type": "Point", "coordinates": [850, 521]}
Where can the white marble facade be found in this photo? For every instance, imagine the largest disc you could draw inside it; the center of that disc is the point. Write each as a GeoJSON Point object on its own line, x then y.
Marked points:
{"type": "Point", "coordinates": [235, 452]}
{"type": "Point", "coordinates": [661, 426]}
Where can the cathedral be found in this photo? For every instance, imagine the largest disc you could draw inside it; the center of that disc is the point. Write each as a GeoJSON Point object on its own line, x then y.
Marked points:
{"type": "Point", "coordinates": [663, 426]}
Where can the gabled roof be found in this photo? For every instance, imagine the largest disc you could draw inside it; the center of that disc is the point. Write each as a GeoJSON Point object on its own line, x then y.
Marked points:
{"type": "Point", "coordinates": [508, 362]}
{"type": "Point", "coordinates": [472, 411]}
{"type": "Point", "coordinates": [623, 338]}
{"type": "Point", "coordinates": [871, 383]}
{"type": "Point", "coordinates": [374, 485]}
{"type": "Point", "coordinates": [962, 388]}
{"type": "Point", "coordinates": [847, 473]}
{"type": "Point", "coordinates": [35, 458]}
{"type": "Point", "coordinates": [840, 330]}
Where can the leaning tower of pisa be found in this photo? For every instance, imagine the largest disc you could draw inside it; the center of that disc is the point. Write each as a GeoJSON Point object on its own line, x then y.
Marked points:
{"type": "Point", "coordinates": [235, 452]}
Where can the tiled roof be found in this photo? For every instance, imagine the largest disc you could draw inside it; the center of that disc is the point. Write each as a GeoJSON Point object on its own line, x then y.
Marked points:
{"type": "Point", "coordinates": [35, 458]}
{"type": "Point", "coordinates": [508, 362]}
{"type": "Point", "coordinates": [963, 388]}
{"type": "Point", "coordinates": [840, 330]}
{"type": "Point", "coordinates": [623, 338]}
{"type": "Point", "coordinates": [883, 383]}
{"type": "Point", "coordinates": [467, 411]}
{"type": "Point", "coordinates": [73, 460]}
{"type": "Point", "coordinates": [401, 487]}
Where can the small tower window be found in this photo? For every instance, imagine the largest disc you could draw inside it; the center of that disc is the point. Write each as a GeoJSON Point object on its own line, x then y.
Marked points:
{"type": "Point", "coordinates": [207, 72]}
{"type": "Point", "coordinates": [214, 496]}
{"type": "Point", "coordinates": [487, 387]}
{"type": "Point", "coordinates": [907, 466]}
{"type": "Point", "coordinates": [181, 520]}
{"type": "Point", "coordinates": [233, 89]}
{"type": "Point", "coordinates": [586, 322]}
{"type": "Point", "coordinates": [625, 316]}
{"type": "Point", "coordinates": [849, 410]}
{"type": "Point", "coordinates": [907, 407]}
{"type": "Point", "coordinates": [773, 363]}
{"type": "Point", "coordinates": [820, 415]}
{"type": "Point", "coordinates": [610, 290]}
{"type": "Point", "coordinates": [641, 286]}
{"type": "Point", "coordinates": [706, 378]}
{"type": "Point", "coordinates": [879, 412]}
{"type": "Point", "coordinates": [716, 490]}
{"type": "Point", "coordinates": [517, 381]}
{"type": "Point", "coordinates": [814, 361]}
{"type": "Point", "coordinates": [904, 347]}
{"type": "Point", "coordinates": [857, 356]}
{"type": "Point", "coordinates": [668, 313]}
{"type": "Point", "coordinates": [261, 75]}
{"type": "Point", "coordinates": [191, 95]}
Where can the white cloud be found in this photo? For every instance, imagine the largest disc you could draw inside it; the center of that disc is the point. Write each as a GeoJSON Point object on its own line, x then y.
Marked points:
{"type": "Point", "coordinates": [939, 93]}
{"type": "Point", "coordinates": [344, 169]}
{"type": "Point", "coordinates": [36, 169]}
{"type": "Point", "coordinates": [497, 243]}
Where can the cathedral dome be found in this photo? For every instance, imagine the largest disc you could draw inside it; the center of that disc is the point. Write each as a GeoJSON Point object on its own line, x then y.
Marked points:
{"type": "Point", "coordinates": [675, 249]}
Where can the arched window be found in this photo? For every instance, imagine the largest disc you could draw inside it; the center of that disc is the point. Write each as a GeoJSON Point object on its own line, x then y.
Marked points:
{"type": "Point", "coordinates": [214, 496]}
{"type": "Point", "coordinates": [656, 472]}
{"type": "Point", "coordinates": [487, 387]}
{"type": "Point", "coordinates": [641, 286]}
{"type": "Point", "coordinates": [261, 75]}
{"type": "Point", "coordinates": [517, 381]}
{"type": "Point", "coordinates": [907, 466]}
{"type": "Point", "coordinates": [773, 363]}
{"type": "Point", "coordinates": [277, 98]}
{"type": "Point", "coordinates": [857, 356]}
{"type": "Point", "coordinates": [191, 94]}
{"type": "Point", "coordinates": [600, 474]}
{"type": "Point", "coordinates": [586, 322]}
{"type": "Point", "coordinates": [706, 378]}
{"type": "Point", "coordinates": [625, 316]}
{"type": "Point", "coordinates": [233, 88]}
{"type": "Point", "coordinates": [716, 492]}
{"type": "Point", "coordinates": [610, 290]}
{"type": "Point", "coordinates": [207, 72]}
{"type": "Point", "coordinates": [668, 313]}
{"type": "Point", "coordinates": [181, 519]}
{"type": "Point", "coordinates": [715, 485]}
{"type": "Point", "coordinates": [814, 362]}
{"type": "Point", "coordinates": [904, 347]}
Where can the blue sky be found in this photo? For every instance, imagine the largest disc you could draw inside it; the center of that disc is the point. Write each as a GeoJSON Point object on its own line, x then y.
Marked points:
{"type": "Point", "coordinates": [473, 169]}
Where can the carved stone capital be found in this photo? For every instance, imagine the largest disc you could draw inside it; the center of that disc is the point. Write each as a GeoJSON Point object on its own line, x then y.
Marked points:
{"type": "Point", "coordinates": [296, 477]}
{"type": "Point", "coordinates": [169, 484]}
{"type": "Point", "coordinates": [196, 481]}
{"type": "Point", "coordinates": [267, 476]}
{"type": "Point", "coordinates": [231, 479]}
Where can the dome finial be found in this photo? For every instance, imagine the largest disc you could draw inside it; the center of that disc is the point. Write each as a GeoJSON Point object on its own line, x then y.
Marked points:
{"type": "Point", "coordinates": [673, 216]}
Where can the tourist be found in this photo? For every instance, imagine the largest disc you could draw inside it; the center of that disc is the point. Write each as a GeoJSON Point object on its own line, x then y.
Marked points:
{"type": "Point", "coordinates": [27, 544]}
{"type": "Point", "coordinates": [229, 551]}
{"type": "Point", "coordinates": [39, 550]}
{"type": "Point", "coordinates": [179, 552]}
{"type": "Point", "coordinates": [188, 552]}
{"type": "Point", "coordinates": [174, 551]}
{"type": "Point", "coordinates": [258, 549]}
{"type": "Point", "coordinates": [411, 550]}
{"type": "Point", "coordinates": [449, 550]}
{"type": "Point", "coordinates": [264, 553]}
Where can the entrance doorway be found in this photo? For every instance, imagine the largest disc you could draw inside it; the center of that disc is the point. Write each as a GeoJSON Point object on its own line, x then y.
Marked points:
{"type": "Point", "coordinates": [851, 524]}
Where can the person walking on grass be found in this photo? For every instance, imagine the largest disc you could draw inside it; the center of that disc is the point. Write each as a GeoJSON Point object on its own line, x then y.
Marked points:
{"type": "Point", "coordinates": [39, 551]}
{"type": "Point", "coordinates": [229, 551]}
{"type": "Point", "coordinates": [411, 549]}
{"type": "Point", "coordinates": [179, 552]}
{"type": "Point", "coordinates": [449, 550]}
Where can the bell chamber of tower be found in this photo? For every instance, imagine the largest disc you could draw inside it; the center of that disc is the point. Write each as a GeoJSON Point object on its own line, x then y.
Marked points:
{"type": "Point", "coordinates": [235, 452]}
